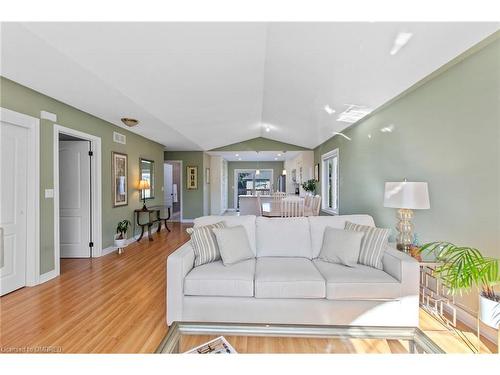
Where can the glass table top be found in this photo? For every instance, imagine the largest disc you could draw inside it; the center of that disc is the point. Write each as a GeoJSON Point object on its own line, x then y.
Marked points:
{"type": "Point", "coordinates": [290, 338]}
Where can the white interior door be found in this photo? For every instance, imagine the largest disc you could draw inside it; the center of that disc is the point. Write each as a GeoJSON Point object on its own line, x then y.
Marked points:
{"type": "Point", "coordinates": [74, 199]}
{"type": "Point", "coordinates": [13, 206]}
{"type": "Point", "coordinates": [168, 181]}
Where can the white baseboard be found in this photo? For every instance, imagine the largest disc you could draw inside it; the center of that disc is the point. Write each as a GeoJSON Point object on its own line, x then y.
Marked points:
{"type": "Point", "coordinates": [231, 209]}
{"type": "Point", "coordinates": [47, 276]}
{"type": "Point", "coordinates": [187, 221]}
{"type": "Point", "coordinates": [113, 248]}
{"type": "Point", "coordinates": [471, 321]}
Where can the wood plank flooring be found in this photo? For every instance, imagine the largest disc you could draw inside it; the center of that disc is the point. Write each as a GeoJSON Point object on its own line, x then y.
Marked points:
{"type": "Point", "coordinates": [116, 304]}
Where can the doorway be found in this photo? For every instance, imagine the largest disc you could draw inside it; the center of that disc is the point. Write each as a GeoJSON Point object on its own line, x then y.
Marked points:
{"type": "Point", "coordinates": [251, 182]}
{"type": "Point", "coordinates": [19, 201]}
{"type": "Point", "coordinates": [77, 195]}
{"type": "Point", "coordinates": [173, 188]}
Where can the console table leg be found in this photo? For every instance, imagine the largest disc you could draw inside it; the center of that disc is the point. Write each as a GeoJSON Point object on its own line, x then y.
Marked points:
{"type": "Point", "coordinates": [142, 233]}
{"type": "Point", "coordinates": [166, 226]}
{"type": "Point", "coordinates": [150, 237]}
{"type": "Point", "coordinates": [159, 226]}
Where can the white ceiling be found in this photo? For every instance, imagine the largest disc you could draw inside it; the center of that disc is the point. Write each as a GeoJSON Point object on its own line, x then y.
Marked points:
{"type": "Point", "coordinates": [198, 86]}
{"type": "Point", "coordinates": [255, 156]}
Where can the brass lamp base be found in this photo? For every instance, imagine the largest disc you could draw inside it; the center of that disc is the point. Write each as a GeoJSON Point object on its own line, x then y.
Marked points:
{"type": "Point", "coordinates": [405, 229]}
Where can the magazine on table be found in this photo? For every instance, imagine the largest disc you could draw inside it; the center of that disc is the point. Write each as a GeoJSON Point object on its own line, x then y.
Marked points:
{"type": "Point", "coordinates": [216, 346]}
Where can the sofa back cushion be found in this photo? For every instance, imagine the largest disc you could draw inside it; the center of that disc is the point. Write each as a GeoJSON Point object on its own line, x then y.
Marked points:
{"type": "Point", "coordinates": [319, 223]}
{"type": "Point", "coordinates": [247, 221]}
{"type": "Point", "coordinates": [283, 237]}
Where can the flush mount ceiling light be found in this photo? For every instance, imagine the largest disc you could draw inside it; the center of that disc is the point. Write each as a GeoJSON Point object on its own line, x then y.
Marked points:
{"type": "Point", "coordinates": [130, 121]}
{"type": "Point", "coordinates": [329, 109]}
{"type": "Point", "coordinates": [400, 41]}
{"type": "Point", "coordinates": [353, 113]}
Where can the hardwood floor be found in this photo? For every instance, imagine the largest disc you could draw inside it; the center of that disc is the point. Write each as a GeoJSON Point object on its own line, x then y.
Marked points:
{"type": "Point", "coordinates": [116, 304]}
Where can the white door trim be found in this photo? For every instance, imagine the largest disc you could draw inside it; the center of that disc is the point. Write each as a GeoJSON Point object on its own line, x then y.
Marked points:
{"type": "Point", "coordinates": [180, 187]}
{"type": "Point", "coordinates": [33, 190]}
{"type": "Point", "coordinates": [95, 146]}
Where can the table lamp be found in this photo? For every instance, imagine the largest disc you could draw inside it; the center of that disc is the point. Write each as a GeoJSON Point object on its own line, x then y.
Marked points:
{"type": "Point", "coordinates": [144, 185]}
{"type": "Point", "coordinates": [406, 196]}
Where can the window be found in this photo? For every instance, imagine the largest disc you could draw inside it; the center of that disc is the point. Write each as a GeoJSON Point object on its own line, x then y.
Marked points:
{"type": "Point", "coordinates": [248, 182]}
{"type": "Point", "coordinates": [330, 181]}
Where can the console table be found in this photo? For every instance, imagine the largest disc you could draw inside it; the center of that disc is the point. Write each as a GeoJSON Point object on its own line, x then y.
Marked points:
{"type": "Point", "coordinates": [155, 214]}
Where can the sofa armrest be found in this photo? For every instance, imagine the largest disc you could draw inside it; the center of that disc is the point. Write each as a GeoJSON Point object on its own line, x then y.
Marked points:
{"type": "Point", "coordinates": [179, 263]}
{"type": "Point", "coordinates": [403, 268]}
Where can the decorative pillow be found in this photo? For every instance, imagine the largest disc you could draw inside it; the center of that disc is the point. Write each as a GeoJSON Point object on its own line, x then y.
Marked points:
{"type": "Point", "coordinates": [372, 244]}
{"type": "Point", "coordinates": [204, 243]}
{"type": "Point", "coordinates": [233, 244]}
{"type": "Point", "coordinates": [341, 246]}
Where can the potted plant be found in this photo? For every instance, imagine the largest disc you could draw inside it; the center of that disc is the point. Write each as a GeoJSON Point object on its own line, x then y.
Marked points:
{"type": "Point", "coordinates": [461, 268]}
{"type": "Point", "coordinates": [121, 235]}
{"type": "Point", "coordinates": [310, 186]}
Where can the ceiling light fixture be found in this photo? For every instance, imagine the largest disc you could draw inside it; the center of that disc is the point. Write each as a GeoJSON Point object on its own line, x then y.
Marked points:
{"type": "Point", "coordinates": [268, 129]}
{"type": "Point", "coordinates": [275, 158]}
{"type": "Point", "coordinates": [279, 155]}
{"type": "Point", "coordinates": [353, 113]}
{"type": "Point", "coordinates": [400, 41]}
{"type": "Point", "coordinates": [236, 155]}
{"type": "Point", "coordinates": [329, 109]}
{"type": "Point", "coordinates": [130, 121]}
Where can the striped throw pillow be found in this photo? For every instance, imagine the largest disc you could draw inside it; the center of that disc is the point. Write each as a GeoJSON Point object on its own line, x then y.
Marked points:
{"type": "Point", "coordinates": [372, 245]}
{"type": "Point", "coordinates": [204, 243]}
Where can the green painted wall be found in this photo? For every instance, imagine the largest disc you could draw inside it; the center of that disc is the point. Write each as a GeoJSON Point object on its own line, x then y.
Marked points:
{"type": "Point", "coordinates": [261, 144]}
{"type": "Point", "coordinates": [445, 132]}
{"type": "Point", "coordinates": [276, 166]}
{"type": "Point", "coordinates": [192, 200]}
{"type": "Point", "coordinates": [24, 100]}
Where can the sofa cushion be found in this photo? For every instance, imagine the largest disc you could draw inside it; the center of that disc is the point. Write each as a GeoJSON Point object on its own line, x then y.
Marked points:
{"type": "Point", "coordinates": [283, 237]}
{"type": "Point", "coordinates": [319, 223]}
{"type": "Point", "coordinates": [339, 246]}
{"type": "Point", "coordinates": [248, 221]}
{"type": "Point", "coordinates": [279, 277]}
{"type": "Point", "coordinates": [204, 243]}
{"type": "Point", "coordinates": [233, 244]}
{"type": "Point", "coordinates": [373, 244]}
{"type": "Point", "coordinates": [360, 282]}
{"type": "Point", "coordinates": [215, 279]}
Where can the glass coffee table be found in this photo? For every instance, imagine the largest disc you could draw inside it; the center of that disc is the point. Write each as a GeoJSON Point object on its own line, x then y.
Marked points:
{"type": "Point", "coordinates": [290, 338]}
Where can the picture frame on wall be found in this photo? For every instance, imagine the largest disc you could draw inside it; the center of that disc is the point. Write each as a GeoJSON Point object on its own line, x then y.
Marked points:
{"type": "Point", "coordinates": [316, 172]}
{"type": "Point", "coordinates": [192, 177]}
{"type": "Point", "coordinates": [119, 175]}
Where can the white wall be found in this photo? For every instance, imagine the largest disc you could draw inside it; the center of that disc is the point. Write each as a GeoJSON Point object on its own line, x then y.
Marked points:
{"type": "Point", "coordinates": [216, 185]}
{"type": "Point", "coordinates": [304, 161]}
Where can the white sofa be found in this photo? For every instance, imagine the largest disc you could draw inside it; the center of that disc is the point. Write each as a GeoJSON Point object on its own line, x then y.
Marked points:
{"type": "Point", "coordinates": [287, 283]}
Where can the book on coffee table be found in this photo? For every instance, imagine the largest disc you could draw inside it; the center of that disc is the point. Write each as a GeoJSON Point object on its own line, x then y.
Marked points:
{"type": "Point", "coordinates": [216, 346]}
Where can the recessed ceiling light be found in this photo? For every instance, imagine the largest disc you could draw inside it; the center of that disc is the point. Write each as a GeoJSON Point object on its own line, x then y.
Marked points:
{"type": "Point", "coordinates": [329, 109]}
{"type": "Point", "coordinates": [279, 154]}
{"type": "Point", "coordinates": [275, 158]}
{"type": "Point", "coordinates": [130, 121]}
{"type": "Point", "coordinates": [268, 129]}
{"type": "Point", "coordinates": [236, 155]}
{"type": "Point", "coordinates": [400, 41]}
{"type": "Point", "coordinates": [353, 113]}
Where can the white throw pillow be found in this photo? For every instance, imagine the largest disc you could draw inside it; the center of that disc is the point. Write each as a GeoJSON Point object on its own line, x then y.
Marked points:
{"type": "Point", "coordinates": [204, 243]}
{"type": "Point", "coordinates": [373, 244]}
{"type": "Point", "coordinates": [341, 246]}
{"type": "Point", "coordinates": [233, 244]}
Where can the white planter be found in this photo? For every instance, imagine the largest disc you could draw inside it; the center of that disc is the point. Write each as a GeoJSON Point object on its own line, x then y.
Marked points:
{"type": "Point", "coordinates": [120, 244]}
{"type": "Point", "coordinates": [489, 312]}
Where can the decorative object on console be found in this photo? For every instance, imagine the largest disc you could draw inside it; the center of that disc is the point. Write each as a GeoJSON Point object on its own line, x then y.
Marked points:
{"type": "Point", "coordinates": [462, 268]}
{"type": "Point", "coordinates": [204, 243]}
{"type": "Point", "coordinates": [121, 235]}
{"type": "Point", "coordinates": [310, 186]}
{"type": "Point", "coordinates": [143, 186]}
{"type": "Point", "coordinates": [406, 196]}
{"type": "Point", "coordinates": [192, 178]}
{"type": "Point", "coordinates": [119, 179]}
{"type": "Point", "coordinates": [373, 244]}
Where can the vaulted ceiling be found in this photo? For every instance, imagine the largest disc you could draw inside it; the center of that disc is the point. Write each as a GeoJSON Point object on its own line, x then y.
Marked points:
{"type": "Point", "coordinates": [198, 86]}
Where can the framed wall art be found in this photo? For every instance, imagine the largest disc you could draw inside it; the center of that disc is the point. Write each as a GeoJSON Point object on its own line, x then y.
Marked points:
{"type": "Point", "coordinates": [192, 178]}
{"type": "Point", "coordinates": [119, 173]}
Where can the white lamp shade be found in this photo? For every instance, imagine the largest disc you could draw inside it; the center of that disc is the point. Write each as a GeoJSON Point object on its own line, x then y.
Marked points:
{"type": "Point", "coordinates": [410, 195]}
